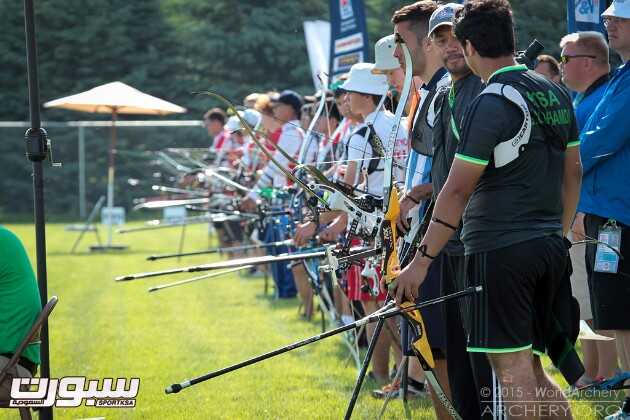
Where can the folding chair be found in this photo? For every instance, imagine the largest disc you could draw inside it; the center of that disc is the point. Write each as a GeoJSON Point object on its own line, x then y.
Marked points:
{"type": "Point", "coordinates": [5, 374]}
{"type": "Point", "coordinates": [88, 226]}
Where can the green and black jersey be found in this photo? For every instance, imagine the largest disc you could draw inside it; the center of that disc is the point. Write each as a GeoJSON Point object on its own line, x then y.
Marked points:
{"type": "Point", "coordinates": [518, 128]}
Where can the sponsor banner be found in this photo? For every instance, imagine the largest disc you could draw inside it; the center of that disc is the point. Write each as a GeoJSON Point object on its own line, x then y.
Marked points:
{"type": "Point", "coordinates": [349, 43]}
{"type": "Point", "coordinates": [348, 36]}
{"type": "Point", "coordinates": [585, 15]}
{"type": "Point", "coordinates": [343, 62]}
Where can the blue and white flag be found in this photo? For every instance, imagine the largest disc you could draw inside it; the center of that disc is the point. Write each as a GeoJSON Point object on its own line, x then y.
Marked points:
{"type": "Point", "coordinates": [348, 36]}
{"type": "Point", "coordinates": [585, 15]}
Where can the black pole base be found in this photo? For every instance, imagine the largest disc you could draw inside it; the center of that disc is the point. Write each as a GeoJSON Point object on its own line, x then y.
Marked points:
{"type": "Point", "coordinates": [106, 248]}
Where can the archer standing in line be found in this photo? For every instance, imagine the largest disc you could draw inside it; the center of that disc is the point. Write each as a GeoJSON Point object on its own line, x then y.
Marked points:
{"type": "Point", "coordinates": [468, 373]}
{"type": "Point", "coordinates": [286, 107]}
{"type": "Point", "coordinates": [518, 175]}
{"type": "Point", "coordinates": [411, 23]}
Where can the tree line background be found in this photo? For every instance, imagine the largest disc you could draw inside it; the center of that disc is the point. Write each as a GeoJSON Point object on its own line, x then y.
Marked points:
{"type": "Point", "coordinates": [167, 48]}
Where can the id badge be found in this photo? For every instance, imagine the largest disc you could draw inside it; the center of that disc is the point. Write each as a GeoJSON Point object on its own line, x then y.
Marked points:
{"type": "Point", "coordinates": [606, 259]}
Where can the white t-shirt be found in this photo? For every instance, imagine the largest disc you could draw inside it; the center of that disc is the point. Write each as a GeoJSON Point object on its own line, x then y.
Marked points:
{"type": "Point", "coordinates": [360, 151]}
{"type": "Point", "coordinates": [290, 141]}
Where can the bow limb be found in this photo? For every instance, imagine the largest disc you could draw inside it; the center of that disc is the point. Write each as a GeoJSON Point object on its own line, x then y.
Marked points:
{"type": "Point", "coordinates": [266, 152]}
{"type": "Point", "coordinates": [391, 206]}
{"type": "Point", "coordinates": [311, 126]}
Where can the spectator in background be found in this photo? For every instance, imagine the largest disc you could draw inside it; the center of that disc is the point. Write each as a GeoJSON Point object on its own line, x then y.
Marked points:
{"type": "Point", "coordinates": [214, 120]}
{"type": "Point", "coordinates": [548, 67]}
{"type": "Point", "coordinates": [20, 303]}
{"type": "Point", "coordinates": [605, 150]}
{"type": "Point", "coordinates": [585, 70]}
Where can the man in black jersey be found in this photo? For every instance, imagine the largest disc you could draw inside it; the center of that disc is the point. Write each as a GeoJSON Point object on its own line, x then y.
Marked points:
{"type": "Point", "coordinates": [517, 174]}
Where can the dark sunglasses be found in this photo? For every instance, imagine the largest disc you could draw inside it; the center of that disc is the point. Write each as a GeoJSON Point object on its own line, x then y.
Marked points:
{"type": "Point", "coordinates": [564, 59]}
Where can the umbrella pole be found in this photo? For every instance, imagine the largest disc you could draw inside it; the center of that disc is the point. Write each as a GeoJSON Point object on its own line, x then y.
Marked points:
{"type": "Point", "coordinates": [37, 151]}
{"type": "Point", "coordinates": [110, 177]}
{"type": "Point", "coordinates": [110, 189]}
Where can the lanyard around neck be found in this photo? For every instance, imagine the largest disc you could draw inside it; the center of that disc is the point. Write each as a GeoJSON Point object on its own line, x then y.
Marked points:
{"type": "Point", "coordinates": [451, 103]}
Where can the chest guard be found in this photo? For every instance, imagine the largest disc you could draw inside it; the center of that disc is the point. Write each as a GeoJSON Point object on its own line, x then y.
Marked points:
{"type": "Point", "coordinates": [509, 150]}
{"type": "Point", "coordinates": [375, 143]}
{"type": "Point", "coordinates": [422, 132]}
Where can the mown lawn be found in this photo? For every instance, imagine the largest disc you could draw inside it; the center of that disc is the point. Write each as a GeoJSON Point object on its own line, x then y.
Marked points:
{"type": "Point", "coordinates": [101, 328]}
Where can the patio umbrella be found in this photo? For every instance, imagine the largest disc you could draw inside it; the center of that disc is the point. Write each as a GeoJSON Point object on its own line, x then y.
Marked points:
{"type": "Point", "coordinates": [114, 98]}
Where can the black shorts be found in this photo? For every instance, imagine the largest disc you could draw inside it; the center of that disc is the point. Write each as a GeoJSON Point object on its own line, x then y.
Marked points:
{"type": "Point", "coordinates": [431, 315]}
{"type": "Point", "coordinates": [519, 283]}
{"type": "Point", "coordinates": [469, 374]}
{"type": "Point", "coordinates": [610, 293]}
{"type": "Point", "coordinates": [229, 232]}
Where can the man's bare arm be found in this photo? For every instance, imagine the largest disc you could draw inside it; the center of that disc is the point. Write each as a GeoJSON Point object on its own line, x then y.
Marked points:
{"type": "Point", "coordinates": [571, 184]}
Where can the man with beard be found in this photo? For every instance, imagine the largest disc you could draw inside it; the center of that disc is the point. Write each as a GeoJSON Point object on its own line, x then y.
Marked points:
{"type": "Point", "coordinates": [468, 373]}
{"type": "Point", "coordinates": [515, 179]}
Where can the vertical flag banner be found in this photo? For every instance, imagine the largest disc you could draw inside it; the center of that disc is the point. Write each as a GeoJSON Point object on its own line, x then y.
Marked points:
{"type": "Point", "coordinates": [585, 15]}
{"type": "Point", "coordinates": [348, 36]}
{"type": "Point", "coordinates": [317, 35]}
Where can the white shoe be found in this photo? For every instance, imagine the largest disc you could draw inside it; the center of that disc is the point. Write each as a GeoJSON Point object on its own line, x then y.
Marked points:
{"type": "Point", "coordinates": [619, 415]}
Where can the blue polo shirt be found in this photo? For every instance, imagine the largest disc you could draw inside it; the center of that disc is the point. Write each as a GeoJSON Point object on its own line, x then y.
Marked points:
{"type": "Point", "coordinates": [605, 152]}
{"type": "Point", "coordinates": [585, 102]}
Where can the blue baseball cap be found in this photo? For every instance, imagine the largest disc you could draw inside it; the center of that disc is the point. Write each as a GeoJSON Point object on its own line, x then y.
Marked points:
{"type": "Point", "coordinates": [443, 16]}
{"type": "Point", "coordinates": [291, 98]}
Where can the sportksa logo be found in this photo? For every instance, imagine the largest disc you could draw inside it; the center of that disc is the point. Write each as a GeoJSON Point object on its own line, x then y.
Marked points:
{"type": "Point", "coordinates": [70, 391]}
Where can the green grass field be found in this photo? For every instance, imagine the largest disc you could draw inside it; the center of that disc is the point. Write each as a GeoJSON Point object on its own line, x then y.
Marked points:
{"type": "Point", "coordinates": [101, 328]}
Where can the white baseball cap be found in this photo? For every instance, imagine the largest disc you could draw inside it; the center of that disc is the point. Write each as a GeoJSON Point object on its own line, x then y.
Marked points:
{"type": "Point", "coordinates": [251, 116]}
{"type": "Point", "coordinates": [233, 123]}
{"type": "Point", "coordinates": [362, 80]}
{"type": "Point", "coordinates": [384, 55]}
{"type": "Point", "coordinates": [619, 9]}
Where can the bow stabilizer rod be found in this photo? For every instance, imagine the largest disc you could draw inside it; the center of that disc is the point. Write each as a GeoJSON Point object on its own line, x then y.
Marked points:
{"type": "Point", "coordinates": [230, 264]}
{"type": "Point", "coordinates": [194, 279]}
{"type": "Point", "coordinates": [384, 313]}
{"type": "Point", "coordinates": [227, 250]}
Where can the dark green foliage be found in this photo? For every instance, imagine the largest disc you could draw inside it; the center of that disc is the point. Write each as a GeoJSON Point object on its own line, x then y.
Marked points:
{"type": "Point", "coordinates": [170, 49]}
{"type": "Point", "coordinates": [541, 19]}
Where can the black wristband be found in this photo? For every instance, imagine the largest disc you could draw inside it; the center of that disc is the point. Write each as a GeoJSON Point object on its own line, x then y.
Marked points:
{"type": "Point", "coordinates": [413, 200]}
{"type": "Point", "coordinates": [443, 223]}
{"type": "Point", "coordinates": [422, 249]}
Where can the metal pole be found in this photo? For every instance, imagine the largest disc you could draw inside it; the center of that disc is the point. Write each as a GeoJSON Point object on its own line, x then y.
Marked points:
{"type": "Point", "coordinates": [110, 178]}
{"type": "Point", "coordinates": [82, 203]}
{"type": "Point", "coordinates": [36, 151]}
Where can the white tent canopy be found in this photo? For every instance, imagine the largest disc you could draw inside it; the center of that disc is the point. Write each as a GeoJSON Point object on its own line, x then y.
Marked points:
{"type": "Point", "coordinates": [114, 98]}
{"type": "Point", "coordinates": [116, 95]}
